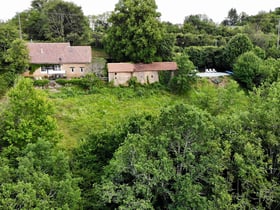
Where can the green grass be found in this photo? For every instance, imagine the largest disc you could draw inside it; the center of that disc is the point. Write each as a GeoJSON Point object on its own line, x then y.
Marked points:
{"type": "Point", "coordinates": [80, 114]}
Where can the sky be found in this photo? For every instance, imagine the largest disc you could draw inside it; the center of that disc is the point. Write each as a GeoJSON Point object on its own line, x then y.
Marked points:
{"type": "Point", "coordinates": [173, 11]}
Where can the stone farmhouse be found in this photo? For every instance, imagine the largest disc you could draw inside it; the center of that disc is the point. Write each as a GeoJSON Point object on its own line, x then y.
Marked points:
{"type": "Point", "coordinates": [55, 60]}
{"type": "Point", "coordinates": [120, 73]}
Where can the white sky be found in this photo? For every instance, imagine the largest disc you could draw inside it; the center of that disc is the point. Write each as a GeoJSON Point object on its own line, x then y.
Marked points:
{"type": "Point", "coordinates": [171, 10]}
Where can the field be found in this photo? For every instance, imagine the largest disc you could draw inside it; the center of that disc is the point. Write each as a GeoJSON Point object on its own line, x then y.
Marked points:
{"type": "Point", "coordinates": [79, 114]}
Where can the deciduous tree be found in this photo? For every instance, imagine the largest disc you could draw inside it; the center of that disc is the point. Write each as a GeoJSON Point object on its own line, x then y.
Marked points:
{"type": "Point", "coordinates": [185, 76]}
{"type": "Point", "coordinates": [135, 33]}
{"type": "Point", "coordinates": [236, 46]}
{"type": "Point", "coordinates": [168, 165]}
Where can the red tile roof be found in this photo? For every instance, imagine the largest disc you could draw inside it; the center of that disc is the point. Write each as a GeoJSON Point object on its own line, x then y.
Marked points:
{"type": "Point", "coordinates": [130, 67]}
{"type": "Point", "coordinates": [58, 53]}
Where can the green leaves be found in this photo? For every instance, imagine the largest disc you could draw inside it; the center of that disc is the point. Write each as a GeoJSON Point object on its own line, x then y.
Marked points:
{"type": "Point", "coordinates": [168, 164]}
{"type": "Point", "coordinates": [236, 46]}
{"type": "Point", "coordinates": [27, 117]}
{"type": "Point", "coordinates": [136, 33]}
{"type": "Point", "coordinates": [17, 57]}
{"type": "Point", "coordinates": [41, 179]}
{"type": "Point", "coordinates": [33, 173]}
{"type": "Point", "coordinates": [251, 71]}
{"type": "Point", "coordinates": [185, 76]}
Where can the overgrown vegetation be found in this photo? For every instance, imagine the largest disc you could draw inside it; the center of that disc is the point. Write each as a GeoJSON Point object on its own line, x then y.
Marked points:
{"type": "Point", "coordinates": [182, 143]}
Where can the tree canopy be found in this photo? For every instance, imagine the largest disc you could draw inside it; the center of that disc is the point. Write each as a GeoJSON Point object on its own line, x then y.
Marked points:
{"type": "Point", "coordinates": [34, 173]}
{"type": "Point", "coordinates": [135, 33]}
{"type": "Point", "coordinates": [56, 20]}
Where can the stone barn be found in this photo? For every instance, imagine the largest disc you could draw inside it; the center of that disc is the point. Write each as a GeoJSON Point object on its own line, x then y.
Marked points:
{"type": "Point", "coordinates": [120, 73]}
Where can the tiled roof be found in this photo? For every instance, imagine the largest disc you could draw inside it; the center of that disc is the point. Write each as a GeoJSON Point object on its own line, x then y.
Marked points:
{"type": "Point", "coordinates": [130, 67]}
{"type": "Point", "coordinates": [58, 53]}
{"type": "Point", "coordinates": [120, 67]}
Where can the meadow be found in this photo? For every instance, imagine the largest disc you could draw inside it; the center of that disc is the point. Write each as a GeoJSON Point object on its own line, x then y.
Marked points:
{"type": "Point", "coordinates": [80, 113]}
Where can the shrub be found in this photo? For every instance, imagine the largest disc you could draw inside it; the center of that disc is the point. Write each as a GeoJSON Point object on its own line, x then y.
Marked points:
{"type": "Point", "coordinates": [87, 82]}
{"type": "Point", "coordinates": [132, 82]}
{"type": "Point", "coordinates": [41, 83]}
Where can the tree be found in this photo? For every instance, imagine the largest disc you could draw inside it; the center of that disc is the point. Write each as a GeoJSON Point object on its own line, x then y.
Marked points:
{"type": "Point", "coordinates": [135, 33]}
{"type": "Point", "coordinates": [27, 117]}
{"type": "Point", "coordinates": [232, 18]}
{"type": "Point", "coordinates": [34, 174]}
{"type": "Point", "coordinates": [39, 4]}
{"type": "Point", "coordinates": [199, 24]}
{"type": "Point", "coordinates": [17, 57]}
{"type": "Point", "coordinates": [185, 76]}
{"type": "Point", "coordinates": [236, 46]}
{"type": "Point", "coordinates": [39, 178]}
{"type": "Point", "coordinates": [34, 24]}
{"type": "Point", "coordinates": [66, 22]}
{"type": "Point", "coordinates": [99, 25]}
{"type": "Point", "coordinates": [264, 118]}
{"type": "Point", "coordinates": [247, 70]}
{"type": "Point", "coordinates": [56, 20]}
{"type": "Point", "coordinates": [8, 33]}
{"type": "Point", "coordinates": [168, 166]}
{"type": "Point", "coordinates": [251, 139]}
{"type": "Point", "coordinates": [95, 152]}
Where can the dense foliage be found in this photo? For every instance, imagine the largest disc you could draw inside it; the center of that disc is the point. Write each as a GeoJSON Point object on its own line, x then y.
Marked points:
{"type": "Point", "coordinates": [215, 145]}
{"type": "Point", "coordinates": [34, 174]}
{"type": "Point", "coordinates": [215, 153]}
{"type": "Point", "coordinates": [55, 20]}
{"type": "Point", "coordinates": [135, 33]}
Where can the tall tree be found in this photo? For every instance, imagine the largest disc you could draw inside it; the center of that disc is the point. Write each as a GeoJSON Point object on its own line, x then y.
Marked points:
{"type": "Point", "coordinates": [99, 24]}
{"type": "Point", "coordinates": [66, 22]}
{"type": "Point", "coordinates": [93, 154]}
{"type": "Point", "coordinates": [34, 174]}
{"type": "Point", "coordinates": [247, 70]}
{"type": "Point", "coordinates": [8, 33]}
{"type": "Point", "coordinates": [236, 46]}
{"type": "Point", "coordinates": [185, 76]}
{"type": "Point", "coordinates": [56, 20]}
{"type": "Point", "coordinates": [168, 166]}
{"type": "Point", "coordinates": [232, 18]}
{"type": "Point", "coordinates": [17, 56]}
{"type": "Point", "coordinates": [27, 117]}
{"type": "Point", "coordinates": [136, 31]}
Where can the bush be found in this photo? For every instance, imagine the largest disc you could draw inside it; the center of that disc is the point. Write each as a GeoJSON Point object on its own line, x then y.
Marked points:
{"type": "Point", "coordinates": [62, 81]}
{"type": "Point", "coordinates": [41, 83]}
{"type": "Point", "coordinates": [132, 82]}
{"type": "Point", "coordinates": [247, 70]}
{"type": "Point", "coordinates": [207, 57]}
{"type": "Point", "coordinates": [6, 81]}
{"type": "Point", "coordinates": [87, 82]}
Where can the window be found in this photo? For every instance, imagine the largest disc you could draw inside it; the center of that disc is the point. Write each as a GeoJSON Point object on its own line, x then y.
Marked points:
{"type": "Point", "coordinates": [47, 68]}
{"type": "Point", "coordinates": [82, 69]}
{"type": "Point", "coordinates": [56, 67]}
{"type": "Point", "coordinates": [43, 69]}
{"type": "Point", "coordinates": [72, 69]}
